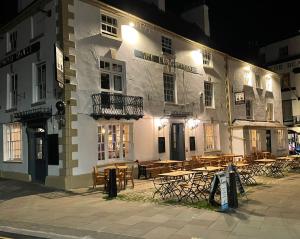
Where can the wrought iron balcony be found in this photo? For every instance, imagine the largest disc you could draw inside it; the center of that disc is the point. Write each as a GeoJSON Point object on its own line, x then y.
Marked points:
{"type": "Point", "coordinates": [117, 106]}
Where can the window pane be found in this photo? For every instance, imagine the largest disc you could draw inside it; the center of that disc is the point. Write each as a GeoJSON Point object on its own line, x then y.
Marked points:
{"type": "Point", "coordinates": [117, 83]}
{"type": "Point", "coordinates": [169, 88]}
{"type": "Point", "coordinates": [105, 81]}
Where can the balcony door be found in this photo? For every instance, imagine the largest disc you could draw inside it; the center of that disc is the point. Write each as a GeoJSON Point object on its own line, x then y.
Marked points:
{"type": "Point", "coordinates": [177, 144]}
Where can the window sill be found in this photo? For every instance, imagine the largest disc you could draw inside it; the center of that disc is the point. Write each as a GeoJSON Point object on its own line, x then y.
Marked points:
{"type": "Point", "coordinates": [118, 39]}
{"type": "Point", "coordinates": [36, 37]}
{"type": "Point", "coordinates": [13, 161]}
{"type": "Point", "coordinates": [10, 110]}
{"type": "Point", "coordinates": [210, 107]}
{"type": "Point", "coordinates": [38, 103]}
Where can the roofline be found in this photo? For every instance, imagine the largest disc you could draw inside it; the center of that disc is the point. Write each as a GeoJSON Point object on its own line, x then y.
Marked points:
{"type": "Point", "coordinates": [284, 60]}
{"type": "Point", "coordinates": [281, 39]}
{"type": "Point", "coordinates": [28, 11]}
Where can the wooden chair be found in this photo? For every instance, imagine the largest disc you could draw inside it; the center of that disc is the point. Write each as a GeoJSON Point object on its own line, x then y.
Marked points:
{"type": "Point", "coordinates": [129, 176]}
{"type": "Point", "coordinates": [99, 178]}
{"type": "Point", "coordinates": [121, 175]}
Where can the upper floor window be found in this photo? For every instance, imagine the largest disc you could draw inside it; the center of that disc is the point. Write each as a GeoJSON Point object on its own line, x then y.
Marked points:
{"type": "Point", "coordinates": [208, 94]}
{"type": "Point", "coordinates": [12, 90]}
{"type": "Point", "coordinates": [285, 81]}
{"type": "Point", "coordinates": [109, 25]}
{"type": "Point", "coordinates": [166, 45]}
{"type": "Point", "coordinates": [12, 142]}
{"type": "Point", "coordinates": [249, 109]}
{"type": "Point", "coordinates": [11, 41]}
{"type": "Point", "coordinates": [41, 81]}
{"type": "Point", "coordinates": [169, 88]}
{"type": "Point", "coordinates": [283, 52]}
{"type": "Point", "coordinates": [268, 84]}
{"type": "Point", "coordinates": [258, 81]}
{"type": "Point", "coordinates": [207, 58]}
{"type": "Point", "coordinates": [112, 77]}
{"type": "Point", "coordinates": [248, 78]}
{"type": "Point", "coordinates": [269, 111]}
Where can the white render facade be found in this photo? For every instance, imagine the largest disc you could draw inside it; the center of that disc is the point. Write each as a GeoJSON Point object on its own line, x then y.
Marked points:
{"type": "Point", "coordinates": [283, 57]}
{"type": "Point", "coordinates": [113, 61]}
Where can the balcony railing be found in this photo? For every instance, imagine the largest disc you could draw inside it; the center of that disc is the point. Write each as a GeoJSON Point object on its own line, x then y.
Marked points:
{"type": "Point", "coordinates": [117, 106]}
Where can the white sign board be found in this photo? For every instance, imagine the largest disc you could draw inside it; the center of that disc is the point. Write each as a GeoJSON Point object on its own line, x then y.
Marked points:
{"type": "Point", "coordinates": [59, 66]}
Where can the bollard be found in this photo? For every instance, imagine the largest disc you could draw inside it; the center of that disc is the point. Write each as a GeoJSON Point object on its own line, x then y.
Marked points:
{"type": "Point", "coordinates": [112, 184]}
{"type": "Point", "coordinates": [233, 199]}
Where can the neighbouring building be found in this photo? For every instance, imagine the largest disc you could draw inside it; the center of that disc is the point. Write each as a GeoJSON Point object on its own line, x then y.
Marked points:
{"type": "Point", "coordinates": [283, 57]}
{"type": "Point", "coordinates": [122, 89]}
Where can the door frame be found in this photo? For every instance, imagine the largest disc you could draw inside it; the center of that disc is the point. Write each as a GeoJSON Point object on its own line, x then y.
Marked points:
{"type": "Point", "coordinates": [171, 140]}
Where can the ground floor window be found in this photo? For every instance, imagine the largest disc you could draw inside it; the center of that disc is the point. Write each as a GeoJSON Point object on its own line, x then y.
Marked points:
{"type": "Point", "coordinates": [253, 140]}
{"type": "Point", "coordinates": [113, 141]}
{"type": "Point", "coordinates": [13, 142]}
{"type": "Point", "coordinates": [280, 138]}
{"type": "Point", "coordinates": [211, 137]}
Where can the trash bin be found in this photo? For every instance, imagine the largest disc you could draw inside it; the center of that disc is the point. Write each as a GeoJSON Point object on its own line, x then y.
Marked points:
{"type": "Point", "coordinates": [112, 184]}
{"type": "Point", "coordinates": [232, 197]}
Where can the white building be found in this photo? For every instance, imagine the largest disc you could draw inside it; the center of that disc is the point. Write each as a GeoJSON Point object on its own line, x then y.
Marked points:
{"type": "Point", "coordinates": [283, 57]}
{"type": "Point", "coordinates": [132, 91]}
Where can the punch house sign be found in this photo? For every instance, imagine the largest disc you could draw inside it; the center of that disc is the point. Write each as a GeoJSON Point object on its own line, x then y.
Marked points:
{"type": "Point", "coordinates": [20, 54]}
{"type": "Point", "coordinates": [164, 61]}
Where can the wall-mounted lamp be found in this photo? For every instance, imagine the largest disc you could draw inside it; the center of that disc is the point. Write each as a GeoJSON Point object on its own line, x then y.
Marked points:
{"type": "Point", "coordinates": [47, 13]}
{"type": "Point", "coordinates": [162, 122]}
{"type": "Point", "coordinates": [193, 123]}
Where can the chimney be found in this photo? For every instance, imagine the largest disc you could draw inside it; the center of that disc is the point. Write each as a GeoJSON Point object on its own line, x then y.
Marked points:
{"type": "Point", "coordinates": [161, 4]}
{"type": "Point", "coordinates": [198, 15]}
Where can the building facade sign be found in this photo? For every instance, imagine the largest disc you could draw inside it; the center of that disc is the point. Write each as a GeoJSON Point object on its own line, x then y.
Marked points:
{"type": "Point", "coordinates": [20, 54]}
{"type": "Point", "coordinates": [163, 60]}
{"type": "Point", "coordinates": [59, 58]}
{"type": "Point", "coordinates": [239, 98]}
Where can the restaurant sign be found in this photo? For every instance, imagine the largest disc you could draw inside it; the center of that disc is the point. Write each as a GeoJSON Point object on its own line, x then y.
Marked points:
{"type": "Point", "coordinates": [239, 98]}
{"type": "Point", "coordinates": [59, 60]}
{"type": "Point", "coordinates": [20, 54]}
{"type": "Point", "coordinates": [164, 60]}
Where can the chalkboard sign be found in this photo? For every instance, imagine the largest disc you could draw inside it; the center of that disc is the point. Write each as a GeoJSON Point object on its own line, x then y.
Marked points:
{"type": "Point", "coordinates": [192, 143]}
{"type": "Point", "coordinates": [237, 179]}
{"type": "Point", "coordinates": [161, 145]}
{"type": "Point", "coordinates": [219, 179]}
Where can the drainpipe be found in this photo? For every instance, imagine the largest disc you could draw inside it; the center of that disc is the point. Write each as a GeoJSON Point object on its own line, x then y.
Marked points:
{"type": "Point", "coordinates": [228, 102]}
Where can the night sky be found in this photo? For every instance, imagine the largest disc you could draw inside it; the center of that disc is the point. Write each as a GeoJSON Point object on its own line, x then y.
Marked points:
{"type": "Point", "coordinates": [238, 27]}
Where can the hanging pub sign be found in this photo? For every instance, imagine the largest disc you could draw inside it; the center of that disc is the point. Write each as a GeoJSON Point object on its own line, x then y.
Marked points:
{"type": "Point", "coordinates": [239, 98]}
{"type": "Point", "coordinates": [20, 54]}
{"type": "Point", "coordinates": [59, 60]}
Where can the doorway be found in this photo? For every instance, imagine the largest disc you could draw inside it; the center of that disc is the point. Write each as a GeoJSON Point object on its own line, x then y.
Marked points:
{"type": "Point", "coordinates": [268, 141]}
{"type": "Point", "coordinates": [37, 158]}
{"type": "Point", "coordinates": [177, 144]}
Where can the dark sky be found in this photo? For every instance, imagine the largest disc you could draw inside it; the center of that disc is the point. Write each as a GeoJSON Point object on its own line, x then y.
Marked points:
{"type": "Point", "coordinates": [237, 26]}
{"type": "Point", "coordinates": [240, 26]}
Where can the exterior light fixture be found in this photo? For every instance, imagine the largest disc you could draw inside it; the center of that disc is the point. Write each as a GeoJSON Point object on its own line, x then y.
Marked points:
{"type": "Point", "coordinates": [193, 123]}
{"type": "Point", "coordinates": [162, 122]}
{"type": "Point", "coordinates": [197, 57]}
{"type": "Point", "coordinates": [131, 24]}
{"type": "Point", "coordinates": [129, 33]}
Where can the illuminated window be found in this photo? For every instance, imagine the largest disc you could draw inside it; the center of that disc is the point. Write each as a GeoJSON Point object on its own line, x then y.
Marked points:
{"type": "Point", "coordinates": [253, 140]}
{"type": "Point", "coordinates": [13, 142]}
{"type": "Point", "coordinates": [269, 84]}
{"type": "Point", "coordinates": [166, 45]}
{"type": "Point", "coordinates": [109, 25]}
{"type": "Point", "coordinates": [248, 78]}
{"type": "Point", "coordinates": [209, 133]}
{"type": "Point", "coordinates": [169, 88]}
{"type": "Point", "coordinates": [12, 91]}
{"type": "Point", "coordinates": [113, 141]}
{"type": "Point", "coordinates": [280, 138]}
{"type": "Point", "coordinates": [208, 94]}
{"type": "Point", "coordinates": [112, 75]}
{"type": "Point", "coordinates": [11, 41]}
{"type": "Point", "coordinates": [207, 58]}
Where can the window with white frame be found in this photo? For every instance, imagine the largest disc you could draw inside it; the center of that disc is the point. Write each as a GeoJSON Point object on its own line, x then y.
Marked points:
{"type": "Point", "coordinates": [258, 81]}
{"type": "Point", "coordinates": [166, 45]}
{"type": "Point", "coordinates": [109, 25]}
{"type": "Point", "coordinates": [280, 138]}
{"type": "Point", "coordinates": [208, 94]}
{"type": "Point", "coordinates": [248, 78]}
{"type": "Point", "coordinates": [40, 82]}
{"type": "Point", "coordinates": [38, 24]}
{"type": "Point", "coordinates": [269, 84]}
{"type": "Point", "coordinates": [11, 41]}
{"type": "Point", "coordinates": [253, 140]}
{"type": "Point", "coordinates": [211, 134]}
{"type": "Point", "coordinates": [269, 111]}
{"type": "Point", "coordinates": [207, 58]}
{"type": "Point", "coordinates": [169, 88]}
{"type": "Point", "coordinates": [112, 76]}
{"type": "Point", "coordinates": [113, 141]}
{"type": "Point", "coordinates": [249, 109]}
{"type": "Point", "coordinates": [12, 142]}
{"type": "Point", "coordinates": [12, 91]}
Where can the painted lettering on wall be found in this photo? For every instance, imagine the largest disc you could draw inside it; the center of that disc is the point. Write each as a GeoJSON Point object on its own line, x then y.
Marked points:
{"type": "Point", "coordinates": [20, 54]}
{"type": "Point", "coordinates": [163, 60]}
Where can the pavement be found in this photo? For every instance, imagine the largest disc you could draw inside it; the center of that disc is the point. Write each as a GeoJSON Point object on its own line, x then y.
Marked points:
{"type": "Point", "coordinates": [271, 211]}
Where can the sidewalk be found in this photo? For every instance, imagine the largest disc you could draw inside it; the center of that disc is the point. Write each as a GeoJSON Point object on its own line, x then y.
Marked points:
{"type": "Point", "coordinates": [272, 211]}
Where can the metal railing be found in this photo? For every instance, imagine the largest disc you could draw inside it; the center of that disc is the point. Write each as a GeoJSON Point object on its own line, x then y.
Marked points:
{"type": "Point", "coordinates": [112, 105]}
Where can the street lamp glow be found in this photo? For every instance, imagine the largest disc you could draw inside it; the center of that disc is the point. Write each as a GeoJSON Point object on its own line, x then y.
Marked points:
{"type": "Point", "coordinates": [197, 57]}
{"type": "Point", "coordinates": [129, 34]}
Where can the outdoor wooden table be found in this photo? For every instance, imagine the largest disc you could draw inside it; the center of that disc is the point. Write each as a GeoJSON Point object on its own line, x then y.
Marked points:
{"type": "Point", "coordinates": [119, 167]}
{"type": "Point", "coordinates": [168, 162]}
{"type": "Point", "coordinates": [294, 156]}
{"type": "Point", "coordinates": [208, 169]}
{"type": "Point", "coordinates": [265, 160]}
{"type": "Point", "coordinates": [238, 165]}
{"type": "Point", "coordinates": [230, 157]}
{"type": "Point", "coordinates": [284, 158]}
{"type": "Point", "coordinates": [210, 158]}
{"type": "Point", "coordinates": [175, 174]}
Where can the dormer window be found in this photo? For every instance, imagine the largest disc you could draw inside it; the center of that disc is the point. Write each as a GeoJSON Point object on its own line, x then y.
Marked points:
{"type": "Point", "coordinates": [109, 25]}
{"type": "Point", "coordinates": [166, 45]}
